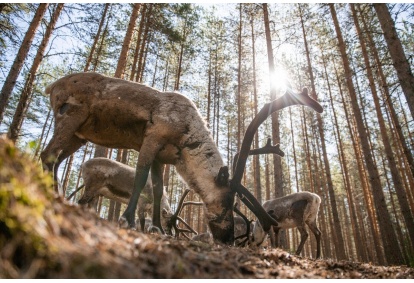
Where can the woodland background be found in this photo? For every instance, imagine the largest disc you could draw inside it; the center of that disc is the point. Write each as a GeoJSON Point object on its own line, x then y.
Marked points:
{"type": "Point", "coordinates": [231, 59]}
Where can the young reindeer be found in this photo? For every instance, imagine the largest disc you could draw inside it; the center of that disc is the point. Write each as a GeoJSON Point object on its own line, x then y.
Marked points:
{"type": "Point", "coordinates": [165, 127]}
{"type": "Point", "coordinates": [291, 211]}
{"type": "Point", "coordinates": [115, 180]}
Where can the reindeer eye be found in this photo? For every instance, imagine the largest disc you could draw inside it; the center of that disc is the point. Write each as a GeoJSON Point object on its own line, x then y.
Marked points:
{"type": "Point", "coordinates": [63, 108]}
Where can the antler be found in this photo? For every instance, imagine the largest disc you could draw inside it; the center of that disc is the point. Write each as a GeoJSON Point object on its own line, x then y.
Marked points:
{"type": "Point", "coordinates": [288, 99]}
{"type": "Point", "coordinates": [268, 148]}
{"type": "Point", "coordinates": [246, 235]}
{"type": "Point", "coordinates": [77, 190]}
{"type": "Point", "coordinates": [172, 223]}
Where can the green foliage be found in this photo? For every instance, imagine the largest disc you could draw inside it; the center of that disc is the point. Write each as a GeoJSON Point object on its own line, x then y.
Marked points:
{"type": "Point", "coordinates": [25, 193]}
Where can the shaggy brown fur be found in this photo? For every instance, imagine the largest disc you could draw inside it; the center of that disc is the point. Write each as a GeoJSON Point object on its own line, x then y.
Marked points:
{"type": "Point", "coordinates": [165, 127]}
{"type": "Point", "coordinates": [291, 211]}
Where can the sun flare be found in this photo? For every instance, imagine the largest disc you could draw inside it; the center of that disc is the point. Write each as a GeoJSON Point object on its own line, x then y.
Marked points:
{"type": "Point", "coordinates": [279, 79]}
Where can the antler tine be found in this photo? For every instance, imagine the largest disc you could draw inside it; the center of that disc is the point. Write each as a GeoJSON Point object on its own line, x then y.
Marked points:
{"type": "Point", "coordinates": [268, 148]}
{"type": "Point", "coordinates": [246, 235]}
{"type": "Point", "coordinates": [172, 223]}
{"type": "Point", "coordinates": [186, 225]}
{"type": "Point", "coordinates": [192, 202]}
{"type": "Point", "coordinates": [181, 203]}
{"type": "Point", "coordinates": [77, 190]}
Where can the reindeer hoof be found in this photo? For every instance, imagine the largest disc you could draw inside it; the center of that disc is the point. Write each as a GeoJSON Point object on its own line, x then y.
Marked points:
{"type": "Point", "coordinates": [123, 224]}
{"type": "Point", "coordinates": [154, 230]}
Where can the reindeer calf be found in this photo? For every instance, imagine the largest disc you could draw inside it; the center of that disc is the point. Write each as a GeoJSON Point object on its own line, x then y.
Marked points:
{"type": "Point", "coordinates": [115, 180]}
{"type": "Point", "coordinates": [291, 211]}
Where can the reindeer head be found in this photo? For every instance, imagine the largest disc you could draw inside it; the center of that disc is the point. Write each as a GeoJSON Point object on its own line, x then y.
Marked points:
{"type": "Point", "coordinates": [70, 98]}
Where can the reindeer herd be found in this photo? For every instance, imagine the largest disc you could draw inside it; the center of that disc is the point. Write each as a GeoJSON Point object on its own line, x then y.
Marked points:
{"type": "Point", "coordinates": [167, 128]}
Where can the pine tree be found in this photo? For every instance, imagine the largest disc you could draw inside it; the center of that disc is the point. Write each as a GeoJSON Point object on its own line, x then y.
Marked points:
{"type": "Point", "coordinates": [20, 59]}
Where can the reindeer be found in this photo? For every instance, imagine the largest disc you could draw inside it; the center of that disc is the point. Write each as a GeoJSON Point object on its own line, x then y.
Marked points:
{"type": "Point", "coordinates": [291, 211]}
{"type": "Point", "coordinates": [166, 128]}
{"type": "Point", "coordinates": [115, 180]}
{"type": "Point", "coordinates": [239, 230]}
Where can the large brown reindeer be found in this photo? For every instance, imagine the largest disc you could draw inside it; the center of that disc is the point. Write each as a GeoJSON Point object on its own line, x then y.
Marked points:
{"type": "Point", "coordinates": [166, 128]}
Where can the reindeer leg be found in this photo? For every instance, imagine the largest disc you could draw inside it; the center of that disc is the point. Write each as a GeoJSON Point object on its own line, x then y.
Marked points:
{"type": "Point", "coordinates": [303, 237]}
{"type": "Point", "coordinates": [148, 151]}
{"type": "Point", "coordinates": [274, 236]}
{"type": "Point", "coordinates": [317, 233]}
{"type": "Point", "coordinates": [141, 217]}
{"type": "Point", "coordinates": [157, 189]}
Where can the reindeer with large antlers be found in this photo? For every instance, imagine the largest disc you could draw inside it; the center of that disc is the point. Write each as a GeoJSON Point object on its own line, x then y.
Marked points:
{"type": "Point", "coordinates": [166, 128]}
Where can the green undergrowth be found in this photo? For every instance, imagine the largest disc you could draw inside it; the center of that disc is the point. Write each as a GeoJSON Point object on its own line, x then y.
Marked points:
{"type": "Point", "coordinates": [25, 194]}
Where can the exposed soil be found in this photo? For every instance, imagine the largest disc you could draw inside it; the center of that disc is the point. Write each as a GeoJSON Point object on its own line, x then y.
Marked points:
{"type": "Point", "coordinates": [44, 237]}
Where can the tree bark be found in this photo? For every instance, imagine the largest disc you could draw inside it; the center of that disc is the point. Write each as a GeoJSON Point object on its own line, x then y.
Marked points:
{"type": "Point", "coordinates": [120, 68]}
{"type": "Point", "coordinates": [391, 246]}
{"type": "Point", "coordinates": [387, 96]}
{"type": "Point", "coordinates": [396, 50]}
{"type": "Point", "coordinates": [340, 244]}
{"type": "Point", "coordinates": [396, 178]}
{"type": "Point", "coordinates": [140, 68]}
{"type": "Point", "coordinates": [239, 49]}
{"type": "Point", "coordinates": [277, 162]}
{"type": "Point", "coordinates": [138, 43]}
{"type": "Point", "coordinates": [15, 69]}
{"type": "Point", "coordinates": [95, 41]}
{"type": "Point", "coordinates": [257, 180]}
{"type": "Point", "coordinates": [25, 97]}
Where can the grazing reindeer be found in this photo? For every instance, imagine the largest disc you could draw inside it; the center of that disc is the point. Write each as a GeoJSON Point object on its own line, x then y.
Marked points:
{"type": "Point", "coordinates": [165, 127]}
{"type": "Point", "coordinates": [239, 230]}
{"type": "Point", "coordinates": [291, 211]}
{"type": "Point", "coordinates": [115, 180]}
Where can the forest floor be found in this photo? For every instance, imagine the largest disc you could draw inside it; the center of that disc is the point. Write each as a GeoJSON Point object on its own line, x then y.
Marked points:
{"type": "Point", "coordinates": [44, 237]}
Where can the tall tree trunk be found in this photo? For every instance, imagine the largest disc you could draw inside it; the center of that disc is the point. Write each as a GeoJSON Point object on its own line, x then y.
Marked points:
{"type": "Point", "coordinates": [340, 244]}
{"type": "Point", "coordinates": [363, 179]}
{"type": "Point", "coordinates": [387, 97]}
{"type": "Point", "coordinates": [101, 45]}
{"type": "Point", "coordinates": [239, 48]}
{"type": "Point", "coordinates": [95, 40]}
{"type": "Point", "coordinates": [209, 73]}
{"type": "Point", "coordinates": [14, 72]}
{"type": "Point", "coordinates": [120, 68]}
{"type": "Point", "coordinates": [294, 154]}
{"type": "Point", "coordinates": [257, 180]}
{"type": "Point", "coordinates": [25, 97]}
{"type": "Point", "coordinates": [396, 178]}
{"type": "Point", "coordinates": [396, 50]}
{"type": "Point", "coordinates": [391, 246]}
{"type": "Point", "coordinates": [42, 134]}
{"type": "Point", "coordinates": [138, 43]}
{"type": "Point", "coordinates": [140, 68]}
{"type": "Point", "coordinates": [360, 248]}
{"type": "Point", "coordinates": [277, 162]}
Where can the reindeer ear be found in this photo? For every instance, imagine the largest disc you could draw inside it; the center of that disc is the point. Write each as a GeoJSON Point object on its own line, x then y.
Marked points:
{"type": "Point", "coordinates": [222, 178]}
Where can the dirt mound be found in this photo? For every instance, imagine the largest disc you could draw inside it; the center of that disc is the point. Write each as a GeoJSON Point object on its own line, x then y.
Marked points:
{"type": "Point", "coordinates": [44, 237]}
